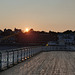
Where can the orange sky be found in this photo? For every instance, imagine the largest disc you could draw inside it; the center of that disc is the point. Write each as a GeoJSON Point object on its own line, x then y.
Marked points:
{"type": "Point", "coordinates": [55, 15]}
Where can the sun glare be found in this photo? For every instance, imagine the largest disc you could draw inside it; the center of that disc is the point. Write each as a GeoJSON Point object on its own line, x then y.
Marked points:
{"type": "Point", "coordinates": [27, 30]}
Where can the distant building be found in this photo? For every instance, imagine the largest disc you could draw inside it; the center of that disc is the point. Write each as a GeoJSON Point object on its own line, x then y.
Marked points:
{"type": "Point", "coordinates": [66, 39]}
{"type": "Point", "coordinates": [61, 40]}
{"type": "Point", "coordinates": [52, 43]}
{"type": "Point", "coordinates": [8, 39]}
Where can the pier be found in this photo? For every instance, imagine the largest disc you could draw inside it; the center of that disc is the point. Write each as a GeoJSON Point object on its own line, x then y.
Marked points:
{"type": "Point", "coordinates": [38, 61]}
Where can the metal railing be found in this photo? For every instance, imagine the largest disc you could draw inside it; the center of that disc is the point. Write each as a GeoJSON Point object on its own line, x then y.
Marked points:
{"type": "Point", "coordinates": [9, 58]}
{"type": "Point", "coordinates": [12, 57]}
{"type": "Point", "coordinates": [58, 48]}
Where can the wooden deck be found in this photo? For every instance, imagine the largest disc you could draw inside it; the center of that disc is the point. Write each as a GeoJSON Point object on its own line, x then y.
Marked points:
{"type": "Point", "coordinates": [46, 63]}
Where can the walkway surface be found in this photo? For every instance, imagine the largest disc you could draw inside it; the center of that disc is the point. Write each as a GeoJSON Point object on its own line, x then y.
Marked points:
{"type": "Point", "coordinates": [46, 63]}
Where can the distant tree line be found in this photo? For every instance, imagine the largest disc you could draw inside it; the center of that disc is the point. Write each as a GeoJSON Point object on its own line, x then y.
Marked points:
{"type": "Point", "coordinates": [33, 37]}
{"type": "Point", "coordinates": [8, 32]}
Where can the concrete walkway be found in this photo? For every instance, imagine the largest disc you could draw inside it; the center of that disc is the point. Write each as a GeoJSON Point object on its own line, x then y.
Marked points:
{"type": "Point", "coordinates": [46, 63]}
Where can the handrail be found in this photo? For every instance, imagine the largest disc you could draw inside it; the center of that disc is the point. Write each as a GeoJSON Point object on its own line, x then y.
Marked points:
{"type": "Point", "coordinates": [12, 57]}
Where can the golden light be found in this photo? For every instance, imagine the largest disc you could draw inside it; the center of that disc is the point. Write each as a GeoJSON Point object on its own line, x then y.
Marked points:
{"type": "Point", "coordinates": [26, 30]}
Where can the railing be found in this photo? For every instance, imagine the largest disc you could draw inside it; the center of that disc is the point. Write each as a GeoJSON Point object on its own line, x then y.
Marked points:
{"type": "Point", "coordinates": [12, 57]}
{"type": "Point", "coordinates": [9, 58]}
{"type": "Point", "coordinates": [58, 48]}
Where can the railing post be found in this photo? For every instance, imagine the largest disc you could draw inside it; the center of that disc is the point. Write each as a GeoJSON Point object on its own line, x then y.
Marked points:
{"type": "Point", "coordinates": [17, 55]}
{"type": "Point", "coordinates": [13, 57]}
{"type": "Point", "coordinates": [28, 53]}
{"type": "Point", "coordinates": [24, 53]}
{"type": "Point", "coordinates": [31, 52]}
{"type": "Point", "coordinates": [7, 59]}
{"type": "Point", "coordinates": [0, 61]}
{"type": "Point", "coordinates": [21, 54]}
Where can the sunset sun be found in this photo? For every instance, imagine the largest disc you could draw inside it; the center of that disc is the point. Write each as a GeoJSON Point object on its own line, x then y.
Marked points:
{"type": "Point", "coordinates": [26, 29]}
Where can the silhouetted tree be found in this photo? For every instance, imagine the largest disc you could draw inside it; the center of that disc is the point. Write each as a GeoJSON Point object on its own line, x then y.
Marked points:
{"type": "Point", "coordinates": [7, 32]}
{"type": "Point", "coordinates": [1, 31]}
{"type": "Point", "coordinates": [67, 32]}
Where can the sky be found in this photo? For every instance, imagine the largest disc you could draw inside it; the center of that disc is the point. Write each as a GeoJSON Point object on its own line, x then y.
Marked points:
{"type": "Point", "coordinates": [42, 15]}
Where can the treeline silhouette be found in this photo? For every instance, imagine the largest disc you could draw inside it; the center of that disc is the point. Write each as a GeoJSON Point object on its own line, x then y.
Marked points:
{"type": "Point", "coordinates": [31, 37]}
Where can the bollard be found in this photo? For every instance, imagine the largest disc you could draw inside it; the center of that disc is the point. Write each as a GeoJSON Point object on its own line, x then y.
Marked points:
{"type": "Point", "coordinates": [0, 61]}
